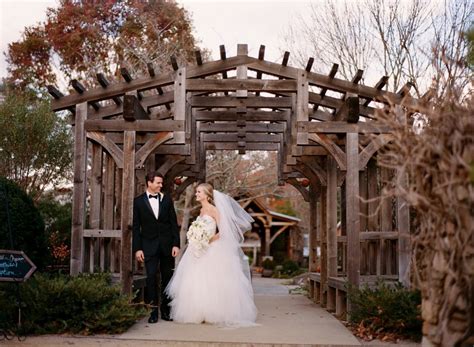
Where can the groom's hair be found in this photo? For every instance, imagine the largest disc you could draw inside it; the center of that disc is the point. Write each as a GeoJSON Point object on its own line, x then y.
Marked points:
{"type": "Point", "coordinates": [150, 177]}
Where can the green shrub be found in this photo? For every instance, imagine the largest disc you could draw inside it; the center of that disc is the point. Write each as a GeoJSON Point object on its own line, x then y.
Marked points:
{"type": "Point", "coordinates": [85, 304]}
{"type": "Point", "coordinates": [25, 221]}
{"type": "Point", "coordinates": [290, 267]}
{"type": "Point", "coordinates": [268, 264]}
{"type": "Point", "coordinates": [387, 309]}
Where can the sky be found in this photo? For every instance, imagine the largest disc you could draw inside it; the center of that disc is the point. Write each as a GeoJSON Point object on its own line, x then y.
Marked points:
{"type": "Point", "coordinates": [227, 22]}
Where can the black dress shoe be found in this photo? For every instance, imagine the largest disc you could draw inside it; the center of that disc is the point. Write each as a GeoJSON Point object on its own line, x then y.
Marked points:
{"type": "Point", "coordinates": [166, 317]}
{"type": "Point", "coordinates": [153, 317]}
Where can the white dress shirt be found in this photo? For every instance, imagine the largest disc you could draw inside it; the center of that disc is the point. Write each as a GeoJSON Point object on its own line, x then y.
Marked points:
{"type": "Point", "coordinates": [154, 203]}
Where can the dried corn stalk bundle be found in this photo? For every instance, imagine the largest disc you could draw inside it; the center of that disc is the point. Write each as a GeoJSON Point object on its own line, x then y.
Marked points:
{"type": "Point", "coordinates": [438, 160]}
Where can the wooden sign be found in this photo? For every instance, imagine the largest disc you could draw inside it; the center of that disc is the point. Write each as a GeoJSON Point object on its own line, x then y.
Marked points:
{"type": "Point", "coordinates": [15, 266]}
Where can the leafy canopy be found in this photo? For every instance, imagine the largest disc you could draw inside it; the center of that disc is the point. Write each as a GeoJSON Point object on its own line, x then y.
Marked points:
{"type": "Point", "coordinates": [82, 38]}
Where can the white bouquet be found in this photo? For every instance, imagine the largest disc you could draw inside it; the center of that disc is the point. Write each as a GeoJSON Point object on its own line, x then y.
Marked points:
{"type": "Point", "coordinates": [198, 236]}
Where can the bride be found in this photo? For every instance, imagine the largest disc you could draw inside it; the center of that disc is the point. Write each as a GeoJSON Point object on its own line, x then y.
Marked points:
{"type": "Point", "coordinates": [213, 285]}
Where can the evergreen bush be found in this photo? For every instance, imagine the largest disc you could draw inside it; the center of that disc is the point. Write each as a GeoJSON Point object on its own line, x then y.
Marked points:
{"type": "Point", "coordinates": [25, 221]}
{"type": "Point", "coordinates": [85, 304]}
{"type": "Point", "coordinates": [387, 309]}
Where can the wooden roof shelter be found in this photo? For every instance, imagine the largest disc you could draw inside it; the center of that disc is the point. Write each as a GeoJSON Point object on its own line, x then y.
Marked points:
{"type": "Point", "coordinates": [322, 127]}
{"type": "Point", "coordinates": [273, 223]}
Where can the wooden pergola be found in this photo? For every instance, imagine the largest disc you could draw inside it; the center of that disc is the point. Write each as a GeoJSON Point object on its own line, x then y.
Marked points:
{"type": "Point", "coordinates": [271, 225]}
{"type": "Point", "coordinates": [322, 127]}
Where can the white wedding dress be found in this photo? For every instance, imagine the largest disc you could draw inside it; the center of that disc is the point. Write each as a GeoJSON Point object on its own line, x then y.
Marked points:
{"type": "Point", "coordinates": [213, 286]}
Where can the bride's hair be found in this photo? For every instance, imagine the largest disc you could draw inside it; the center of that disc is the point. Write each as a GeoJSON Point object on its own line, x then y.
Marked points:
{"type": "Point", "coordinates": [208, 189]}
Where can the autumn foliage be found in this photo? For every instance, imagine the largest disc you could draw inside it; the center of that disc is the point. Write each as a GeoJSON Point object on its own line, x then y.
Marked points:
{"type": "Point", "coordinates": [82, 38]}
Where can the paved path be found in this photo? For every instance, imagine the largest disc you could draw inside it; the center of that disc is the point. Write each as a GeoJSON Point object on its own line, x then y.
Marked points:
{"type": "Point", "coordinates": [284, 319]}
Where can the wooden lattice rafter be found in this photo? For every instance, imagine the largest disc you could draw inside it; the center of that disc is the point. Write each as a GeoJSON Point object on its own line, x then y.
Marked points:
{"type": "Point", "coordinates": [168, 121]}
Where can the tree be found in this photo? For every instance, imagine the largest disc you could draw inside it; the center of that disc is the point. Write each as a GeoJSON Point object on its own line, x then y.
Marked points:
{"type": "Point", "coordinates": [35, 144]}
{"type": "Point", "coordinates": [400, 39]}
{"type": "Point", "coordinates": [82, 38]}
{"type": "Point", "coordinates": [21, 223]}
{"type": "Point", "coordinates": [254, 173]}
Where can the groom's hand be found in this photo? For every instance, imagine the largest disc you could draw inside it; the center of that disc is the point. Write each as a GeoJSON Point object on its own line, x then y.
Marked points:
{"type": "Point", "coordinates": [175, 251]}
{"type": "Point", "coordinates": [140, 256]}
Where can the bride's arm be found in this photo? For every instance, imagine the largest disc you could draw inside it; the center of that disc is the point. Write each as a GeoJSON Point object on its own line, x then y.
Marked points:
{"type": "Point", "coordinates": [215, 215]}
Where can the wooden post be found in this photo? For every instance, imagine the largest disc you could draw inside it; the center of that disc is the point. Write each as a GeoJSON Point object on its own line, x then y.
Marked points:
{"type": "Point", "coordinates": [352, 208]}
{"type": "Point", "coordinates": [302, 105]}
{"type": "Point", "coordinates": [324, 246]}
{"type": "Point", "coordinates": [404, 245]}
{"type": "Point", "coordinates": [95, 245]}
{"type": "Point", "coordinates": [363, 221]}
{"type": "Point", "coordinates": [242, 50]}
{"type": "Point", "coordinates": [372, 194]}
{"type": "Point", "coordinates": [128, 188]}
{"type": "Point", "coordinates": [267, 240]}
{"type": "Point", "coordinates": [403, 218]}
{"type": "Point", "coordinates": [332, 216]}
{"type": "Point", "coordinates": [180, 102]}
{"type": "Point", "coordinates": [78, 202]}
{"type": "Point", "coordinates": [109, 212]}
{"type": "Point", "coordinates": [385, 224]}
{"type": "Point", "coordinates": [313, 258]}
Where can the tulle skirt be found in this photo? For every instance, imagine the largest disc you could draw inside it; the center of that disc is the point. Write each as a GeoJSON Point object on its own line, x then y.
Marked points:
{"type": "Point", "coordinates": [212, 288]}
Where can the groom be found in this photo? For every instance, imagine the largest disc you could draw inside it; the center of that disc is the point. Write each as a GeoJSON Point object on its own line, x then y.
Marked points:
{"type": "Point", "coordinates": [155, 240]}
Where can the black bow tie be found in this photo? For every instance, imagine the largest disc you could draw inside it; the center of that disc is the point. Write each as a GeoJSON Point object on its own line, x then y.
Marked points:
{"type": "Point", "coordinates": [153, 196]}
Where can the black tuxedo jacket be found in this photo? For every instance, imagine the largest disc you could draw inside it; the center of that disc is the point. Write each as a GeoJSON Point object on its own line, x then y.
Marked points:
{"type": "Point", "coordinates": [147, 227]}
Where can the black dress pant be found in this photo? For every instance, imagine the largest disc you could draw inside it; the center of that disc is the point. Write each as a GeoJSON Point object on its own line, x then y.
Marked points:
{"type": "Point", "coordinates": [156, 258]}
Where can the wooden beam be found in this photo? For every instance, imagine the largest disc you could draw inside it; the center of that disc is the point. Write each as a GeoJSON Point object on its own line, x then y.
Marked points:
{"type": "Point", "coordinates": [375, 144]}
{"type": "Point", "coordinates": [114, 151]}
{"type": "Point", "coordinates": [332, 73]}
{"type": "Point", "coordinates": [249, 116]}
{"type": "Point", "coordinates": [250, 146]}
{"type": "Point", "coordinates": [261, 52]}
{"type": "Point", "coordinates": [132, 109]}
{"type": "Point", "coordinates": [222, 52]}
{"type": "Point", "coordinates": [145, 83]}
{"type": "Point", "coordinates": [358, 76]}
{"type": "Point", "coordinates": [302, 107]}
{"type": "Point", "coordinates": [332, 216]}
{"type": "Point", "coordinates": [128, 193]}
{"type": "Point", "coordinates": [403, 218]}
{"type": "Point", "coordinates": [234, 137]}
{"type": "Point", "coordinates": [55, 93]}
{"type": "Point", "coordinates": [126, 74]}
{"type": "Point", "coordinates": [180, 87]}
{"type": "Point", "coordinates": [336, 152]}
{"type": "Point", "coordinates": [197, 53]}
{"type": "Point", "coordinates": [105, 83]}
{"type": "Point", "coordinates": [254, 128]}
{"type": "Point", "coordinates": [237, 84]}
{"type": "Point", "coordinates": [139, 125]}
{"type": "Point", "coordinates": [153, 143]}
{"type": "Point", "coordinates": [242, 50]}
{"type": "Point", "coordinates": [174, 63]}
{"type": "Point", "coordinates": [78, 200]}
{"type": "Point", "coordinates": [309, 65]}
{"type": "Point", "coordinates": [303, 191]}
{"type": "Point", "coordinates": [334, 103]}
{"type": "Point", "coordinates": [286, 57]}
{"type": "Point", "coordinates": [343, 127]}
{"type": "Point", "coordinates": [102, 233]}
{"type": "Point", "coordinates": [231, 102]}
{"type": "Point", "coordinates": [79, 87]}
{"type": "Point", "coordinates": [278, 233]}
{"type": "Point", "coordinates": [352, 209]}
{"type": "Point", "coordinates": [349, 111]}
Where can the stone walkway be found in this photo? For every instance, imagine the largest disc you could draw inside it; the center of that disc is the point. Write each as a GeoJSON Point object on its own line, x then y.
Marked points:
{"type": "Point", "coordinates": [284, 320]}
